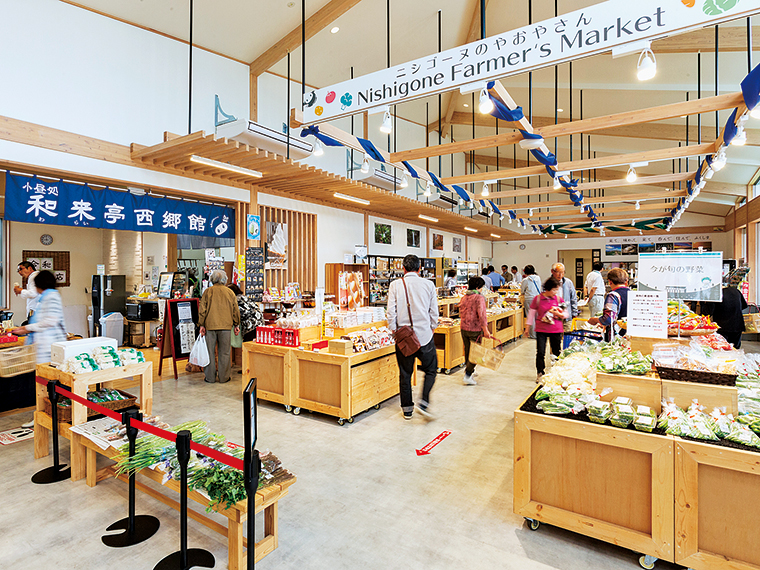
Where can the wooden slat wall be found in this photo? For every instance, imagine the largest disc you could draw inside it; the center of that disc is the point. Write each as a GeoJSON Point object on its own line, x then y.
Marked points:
{"type": "Point", "coordinates": [302, 248]}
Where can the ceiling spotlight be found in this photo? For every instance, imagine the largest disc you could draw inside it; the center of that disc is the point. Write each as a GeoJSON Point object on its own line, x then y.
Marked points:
{"type": "Point", "coordinates": [428, 189]}
{"type": "Point", "coordinates": [466, 105]}
{"type": "Point", "coordinates": [565, 236]}
{"type": "Point", "coordinates": [530, 213]}
{"type": "Point", "coordinates": [404, 181]}
{"type": "Point", "coordinates": [461, 202]}
{"type": "Point", "coordinates": [709, 173]}
{"type": "Point", "coordinates": [633, 222]}
{"type": "Point", "coordinates": [335, 30]}
{"type": "Point", "coordinates": [472, 204]}
{"type": "Point", "coordinates": [560, 110]}
{"type": "Point", "coordinates": [647, 66]}
{"type": "Point", "coordinates": [485, 189]}
{"type": "Point", "coordinates": [501, 217]}
{"type": "Point", "coordinates": [641, 233]}
{"type": "Point", "coordinates": [365, 165]}
{"type": "Point", "coordinates": [485, 105]}
{"type": "Point", "coordinates": [387, 126]}
{"type": "Point", "coordinates": [510, 219]}
{"type": "Point", "coordinates": [531, 144]}
{"type": "Point", "coordinates": [740, 139]}
{"type": "Point", "coordinates": [631, 176]}
{"type": "Point", "coordinates": [557, 183]}
{"type": "Point", "coordinates": [719, 161]}
{"type": "Point", "coordinates": [552, 227]}
{"type": "Point", "coordinates": [319, 150]}
{"type": "Point", "coordinates": [638, 205]}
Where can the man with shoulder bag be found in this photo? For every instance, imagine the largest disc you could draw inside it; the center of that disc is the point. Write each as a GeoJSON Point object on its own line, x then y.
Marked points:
{"type": "Point", "coordinates": [413, 316]}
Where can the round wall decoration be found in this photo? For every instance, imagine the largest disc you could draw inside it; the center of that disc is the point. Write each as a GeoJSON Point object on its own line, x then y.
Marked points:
{"type": "Point", "coordinates": [522, 246]}
{"type": "Point", "coordinates": [46, 239]}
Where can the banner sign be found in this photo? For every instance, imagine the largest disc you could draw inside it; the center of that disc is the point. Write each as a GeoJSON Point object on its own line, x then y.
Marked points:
{"type": "Point", "coordinates": [647, 314]}
{"type": "Point", "coordinates": [628, 248]}
{"type": "Point", "coordinates": [591, 30]}
{"type": "Point", "coordinates": [690, 276]}
{"type": "Point", "coordinates": [29, 199]}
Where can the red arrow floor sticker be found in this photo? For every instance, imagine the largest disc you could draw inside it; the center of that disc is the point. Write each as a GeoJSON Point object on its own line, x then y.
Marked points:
{"type": "Point", "coordinates": [429, 447]}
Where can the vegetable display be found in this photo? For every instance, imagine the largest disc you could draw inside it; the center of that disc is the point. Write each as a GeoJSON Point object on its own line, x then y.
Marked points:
{"type": "Point", "coordinates": [682, 318]}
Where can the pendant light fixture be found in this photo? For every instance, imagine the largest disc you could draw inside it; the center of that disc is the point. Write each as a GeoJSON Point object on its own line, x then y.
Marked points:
{"type": "Point", "coordinates": [387, 126]}
{"type": "Point", "coordinates": [404, 181]}
{"type": "Point", "coordinates": [557, 183]}
{"type": "Point", "coordinates": [319, 150]}
{"type": "Point", "coordinates": [484, 192]}
{"type": "Point", "coordinates": [428, 190]}
{"type": "Point", "coordinates": [740, 139]}
{"type": "Point", "coordinates": [365, 165]}
{"type": "Point", "coordinates": [530, 213]}
{"type": "Point", "coordinates": [631, 176]}
{"type": "Point", "coordinates": [638, 205]}
{"type": "Point", "coordinates": [485, 105]}
{"type": "Point", "coordinates": [647, 66]}
{"type": "Point", "coordinates": [719, 161]}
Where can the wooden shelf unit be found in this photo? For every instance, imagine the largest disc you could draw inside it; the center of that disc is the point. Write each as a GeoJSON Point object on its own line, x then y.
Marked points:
{"type": "Point", "coordinates": [331, 278]}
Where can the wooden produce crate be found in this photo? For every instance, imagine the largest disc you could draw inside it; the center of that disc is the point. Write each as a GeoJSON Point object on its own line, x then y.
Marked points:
{"type": "Point", "coordinates": [644, 345]}
{"type": "Point", "coordinates": [604, 482]}
{"type": "Point", "coordinates": [502, 329]}
{"type": "Point", "coordinates": [64, 412]}
{"type": "Point", "coordinates": [271, 365]}
{"type": "Point", "coordinates": [717, 507]}
{"type": "Point", "coordinates": [708, 395]}
{"type": "Point", "coordinates": [449, 347]}
{"type": "Point", "coordinates": [643, 390]}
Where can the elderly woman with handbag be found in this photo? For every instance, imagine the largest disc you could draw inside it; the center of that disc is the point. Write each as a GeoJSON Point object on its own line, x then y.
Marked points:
{"type": "Point", "coordinates": [218, 317]}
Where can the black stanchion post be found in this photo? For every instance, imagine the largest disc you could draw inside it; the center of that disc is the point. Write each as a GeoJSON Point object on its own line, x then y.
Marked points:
{"type": "Point", "coordinates": [56, 472]}
{"type": "Point", "coordinates": [185, 558]}
{"type": "Point", "coordinates": [252, 466]}
{"type": "Point", "coordinates": [138, 528]}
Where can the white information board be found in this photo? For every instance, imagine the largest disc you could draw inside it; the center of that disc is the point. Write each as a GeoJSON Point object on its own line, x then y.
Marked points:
{"type": "Point", "coordinates": [691, 276]}
{"type": "Point", "coordinates": [648, 314]}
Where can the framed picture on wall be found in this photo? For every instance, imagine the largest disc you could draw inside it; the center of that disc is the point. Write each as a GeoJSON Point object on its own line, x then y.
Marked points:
{"type": "Point", "coordinates": [438, 242]}
{"type": "Point", "coordinates": [383, 234]}
{"type": "Point", "coordinates": [412, 238]}
{"type": "Point", "coordinates": [457, 245]}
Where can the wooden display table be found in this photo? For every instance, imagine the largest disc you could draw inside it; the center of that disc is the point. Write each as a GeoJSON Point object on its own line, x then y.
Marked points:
{"type": "Point", "coordinates": [449, 347]}
{"type": "Point", "coordinates": [333, 384]}
{"type": "Point", "coordinates": [503, 328]}
{"type": "Point", "coordinates": [266, 500]}
{"type": "Point", "coordinates": [644, 345]}
{"type": "Point", "coordinates": [605, 482]}
{"type": "Point", "coordinates": [79, 385]}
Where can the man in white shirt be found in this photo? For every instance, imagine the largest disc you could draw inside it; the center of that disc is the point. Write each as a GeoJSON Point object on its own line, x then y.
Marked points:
{"type": "Point", "coordinates": [517, 276]}
{"type": "Point", "coordinates": [27, 271]}
{"type": "Point", "coordinates": [594, 289]}
{"type": "Point", "coordinates": [422, 303]}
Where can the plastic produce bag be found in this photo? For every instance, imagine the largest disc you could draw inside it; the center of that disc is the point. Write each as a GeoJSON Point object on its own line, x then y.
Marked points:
{"type": "Point", "coordinates": [199, 354]}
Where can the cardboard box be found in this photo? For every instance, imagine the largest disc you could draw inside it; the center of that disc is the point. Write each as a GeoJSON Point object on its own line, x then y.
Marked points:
{"type": "Point", "coordinates": [60, 351]}
{"type": "Point", "coordinates": [342, 347]}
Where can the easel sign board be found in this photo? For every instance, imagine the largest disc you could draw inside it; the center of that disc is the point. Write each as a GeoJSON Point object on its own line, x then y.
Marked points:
{"type": "Point", "coordinates": [690, 276]}
{"type": "Point", "coordinates": [648, 314]}
{"type": "Point", "coordinates": [180, 330]}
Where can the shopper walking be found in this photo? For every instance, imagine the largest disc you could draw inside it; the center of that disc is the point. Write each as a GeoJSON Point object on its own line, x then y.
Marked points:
{"type": "Point", "coordinates": [529, 288]}
{"type": "Point", "coordinates": [615, 304]}
{"type": "Point", "coordinates": [451, 280]}
{"type": "Point", "coordinates": [516, 275]}
{"type": "Point", "coordinates": [473, 323]}
{"type": "Point", "coordinates": [412, 302]}
{"type": "Point", "coordinates": [496, 279]}
{"type": "Point", "coordinates": [486, 279]}
{"type": "Point", "coordinates": [728, 315]}
{"type": "Point", "coordinates": [46, 325]}
{"type": "Point", "coordinates": [506, 273]}
{"type": "Point", "coordinates": [218, 316]}
{"type": "Point", "coordinates": [29, 294]}
{"type": "Point", "coordinates": [594, 289]}
{"type": "Point", "coordinates": [546, 316]}
{"type": "Point", "coordinates": [569, 294]}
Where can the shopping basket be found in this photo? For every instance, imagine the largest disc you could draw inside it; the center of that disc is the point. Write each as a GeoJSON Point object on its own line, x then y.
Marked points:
{"type": "Point", "coordinates": [580, 336]}
{"type": "Point", "coordinates": [484, 356]}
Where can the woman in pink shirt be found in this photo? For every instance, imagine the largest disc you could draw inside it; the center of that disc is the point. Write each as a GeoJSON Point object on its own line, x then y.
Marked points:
{"type": "Point", "coordinates": [546, 315]}
{"type": "Point", "coordinates": [473, 322]}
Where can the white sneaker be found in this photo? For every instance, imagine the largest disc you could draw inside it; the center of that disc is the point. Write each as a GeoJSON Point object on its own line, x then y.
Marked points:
{"type": "Point", "coordinates": [468, 381]}
{"type": "Point", "coordinates": [28, 425]}
{"type": "Point", "coordinates": [474, 374]}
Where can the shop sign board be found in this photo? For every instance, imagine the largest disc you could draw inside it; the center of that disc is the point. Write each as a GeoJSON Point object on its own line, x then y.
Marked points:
{"type": "Point", "coordinates": [628, 248]}
{"type": "Point", "coordinates": [588, 31]}
{"type": "Point", "coordinates": [691, 276]}
{"type": "Point", "coordinates": [253, 227]}
{"type": "Point", "coordinates": [647, 314]}
{"type": "Point", "coordinates": [31, 200]}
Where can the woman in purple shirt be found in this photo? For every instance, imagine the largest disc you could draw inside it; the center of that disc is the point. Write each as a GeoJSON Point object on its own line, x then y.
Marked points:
{"type": "Point", "coordinates": [546, 316]}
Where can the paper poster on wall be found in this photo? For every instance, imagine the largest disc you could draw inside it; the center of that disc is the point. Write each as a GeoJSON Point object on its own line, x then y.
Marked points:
{"type": "Point", "coordinates": [691, 276]}
{"type": "Point", "coordinates": [412, 238]}
{"type": "Point", "coordinates": [383, 234]}
{"type": "Point", "coordinates": [60, 276]}
{"type": "Point", "coordinates": [253, 227]}
{"type": "Point", "coordinates": [277, 245]}
{"type": "Point", "coordinates": [648, 314]}
{"type": "Point", "coordinates": [35, 261]}
{"type": "Point", "coordinates": [46, 263]}
{"type": "Point", "coordinates": [438, 242]}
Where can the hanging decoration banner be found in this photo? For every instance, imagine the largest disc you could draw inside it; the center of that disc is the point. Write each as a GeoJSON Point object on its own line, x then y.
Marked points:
{"type": "Point", "coordinates": [29, 199]}
{"type": "Point", "coordinates": [683, 275]}
{"type": "Point", "coordinates": [591, 30]}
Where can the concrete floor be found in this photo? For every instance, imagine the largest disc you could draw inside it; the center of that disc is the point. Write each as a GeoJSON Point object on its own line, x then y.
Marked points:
{"type": "Point", "coordinates": [363, 497]}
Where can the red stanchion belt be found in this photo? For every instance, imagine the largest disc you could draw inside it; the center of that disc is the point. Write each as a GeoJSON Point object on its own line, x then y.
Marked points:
{"type": "Point", "coordinates": [229, 460]}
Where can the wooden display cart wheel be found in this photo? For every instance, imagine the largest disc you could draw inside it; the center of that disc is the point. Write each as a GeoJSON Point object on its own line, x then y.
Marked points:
{"type": "Point", "coordinates": [533, 524]}
{"type": "Point", "coordinates": [647, 562]}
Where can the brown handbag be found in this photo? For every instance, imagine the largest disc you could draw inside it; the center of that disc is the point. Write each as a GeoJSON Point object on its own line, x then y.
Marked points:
{"type": "Point", "coordinates": [406, 339]}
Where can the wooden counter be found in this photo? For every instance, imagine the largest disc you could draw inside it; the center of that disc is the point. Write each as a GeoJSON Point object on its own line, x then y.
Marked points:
{"type": "Point", "coordinates": [333, 384]}
{"type": "Point", "coordinates": [449, 347]}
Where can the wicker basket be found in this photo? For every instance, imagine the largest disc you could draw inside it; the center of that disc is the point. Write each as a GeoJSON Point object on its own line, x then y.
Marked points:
{"type": "Point", "coordinates": [697, 376]}
{"type": "Point", "coordinates": [15, 361]}
{"type": "Point", "coordinates": [64, 413]}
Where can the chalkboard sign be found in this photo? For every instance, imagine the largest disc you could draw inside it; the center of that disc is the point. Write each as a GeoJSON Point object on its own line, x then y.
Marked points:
{"type": "Point", "coordinates": [254, 273]}
{"type": "Point", "coordinates": [180, 331]}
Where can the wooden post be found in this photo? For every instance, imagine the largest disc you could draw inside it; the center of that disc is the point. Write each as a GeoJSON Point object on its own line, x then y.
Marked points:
{"type": "Point", "coordinates": [466, 254]}
{"type": "Point", "coordinates": [172, 253]}
{"type": "Point", "coordinates": [366, 230]}
{"type": "Point", "coordinates": [253, 87]}
{"type": "Point", "coordinates": [253, 208]}
{"type": "Point", "coordinates": [427, 242]}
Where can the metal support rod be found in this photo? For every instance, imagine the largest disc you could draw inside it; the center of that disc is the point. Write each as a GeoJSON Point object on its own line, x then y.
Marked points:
{"type": "Point", "coordinates": [303, 51]}
{"type": "Point", "coordinates": [571, 107]}
{"type": "Point", "coordinates": [190, 77]}
{"type": "Point", "coordinates": [749, 44]}
{"type": "Point", "coordinates": [717, 126]}
{"type": "Point", "coordinates": [699, 95]}
{"type": "Point", "coordinates": [440, 115]}
{"type": "Point", "coordinates": [351, 170]}
{"type": "Point", "coordinates": [287, 108]}
{"type": "Point", "coordinates": [388, 63]}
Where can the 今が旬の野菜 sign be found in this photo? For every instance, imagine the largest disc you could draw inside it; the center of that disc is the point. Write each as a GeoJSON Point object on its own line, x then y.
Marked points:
{"type": "Point", "coordinates": [29, 199]}
{"type": "Point", "coordinates": [690, 276]}
{"type": "Point", "coordinates": [588, 31]}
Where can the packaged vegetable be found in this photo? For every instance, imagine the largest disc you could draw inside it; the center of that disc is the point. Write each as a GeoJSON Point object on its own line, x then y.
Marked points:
{"type": "Point", "coordinates": [645, 423]}
{"type": "Point", "coordinates": [622, 401]}
{"type": "Point", "coordinates": [720, 422]}
{"type": "Point", "coordinates": [550, 407]}
{"type": "Point", "coordinates": [547, 391]}
{"type": "Point", "coordinates": [742, 434]}
{"type": "Point", "coordinates": [621, 421]}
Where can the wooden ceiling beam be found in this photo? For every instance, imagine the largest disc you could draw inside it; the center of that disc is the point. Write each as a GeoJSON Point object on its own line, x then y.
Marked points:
{"type": "Point", "coordinates": [594, 201]}
{"type": "Point", "coordinates": [732, 39]}
{"type": "Point", "coordinates": [663, 112]}
{"type": "Point", "coordinates": [314, 24]}
{"type": "Point", "coordinates": [588, 164]}
{"type": "Point", "coordinates": [473, 33]}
